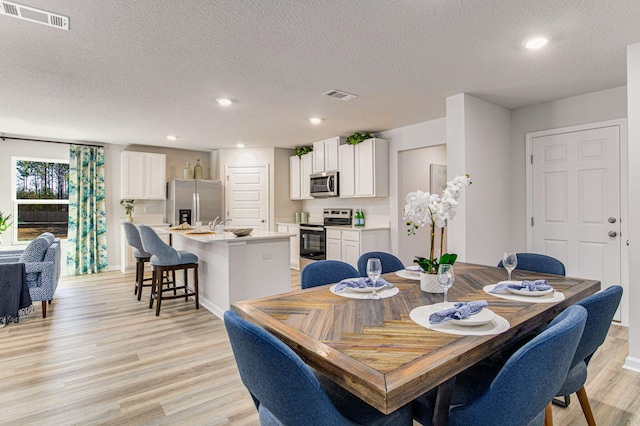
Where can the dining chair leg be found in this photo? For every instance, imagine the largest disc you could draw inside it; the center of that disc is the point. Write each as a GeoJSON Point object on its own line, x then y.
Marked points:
{"type": "Point", "coordinates": [139, 278]}
{"type": "Point", "coordinates": [159, 297]}
{"type": "Point", "coordinates": [548, 415]}
{"type": "Point", "coordinates": [135, 289]}
{"type": "Point", "coordinates": [186, 284]}
{"type": "Point", "coordinates": [173, 277]}
{"type": "Point", "coordinates": [153, 287]}
{"type": "Point", "coordinates": [586, 407]}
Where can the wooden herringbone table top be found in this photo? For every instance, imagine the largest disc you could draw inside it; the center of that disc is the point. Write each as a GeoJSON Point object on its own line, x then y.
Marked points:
{"type": "Point", "coordinates": [373, 349]}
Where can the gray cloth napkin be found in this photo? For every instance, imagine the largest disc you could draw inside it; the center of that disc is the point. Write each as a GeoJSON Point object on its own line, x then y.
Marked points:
{"type": "Point", "coordinates": [538, 285]}
{"type": "Point", "coordinates": [362, 282]}
{"type": "Point", "coordinates": [459, 311]}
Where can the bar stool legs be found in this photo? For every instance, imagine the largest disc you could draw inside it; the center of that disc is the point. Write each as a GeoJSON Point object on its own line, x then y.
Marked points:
{"type": "Point", "coordinates": [157, 289]}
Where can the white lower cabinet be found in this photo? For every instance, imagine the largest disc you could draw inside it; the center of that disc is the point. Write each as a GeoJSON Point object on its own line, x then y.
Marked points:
{"type": "Point", "coordinates": [294, 244]}
{"type": "Point", "coordinates": [348, 244]}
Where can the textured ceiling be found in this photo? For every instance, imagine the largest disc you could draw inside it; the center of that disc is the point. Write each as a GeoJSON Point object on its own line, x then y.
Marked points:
{"type": "Point", "coordinates": [131, 72]}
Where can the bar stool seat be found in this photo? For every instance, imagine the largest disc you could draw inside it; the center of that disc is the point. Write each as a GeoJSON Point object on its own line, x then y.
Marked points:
{"type": "Point", "coordinates": [164, 259]}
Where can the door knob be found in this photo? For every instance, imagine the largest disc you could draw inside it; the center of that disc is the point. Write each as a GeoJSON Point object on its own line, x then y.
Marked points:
{"type": "Point", "coordinates": [612, 220]}
{"type": "Point", "coordinates": [613, 234]}
{"type": "Point", "coordinates": [262, 221]}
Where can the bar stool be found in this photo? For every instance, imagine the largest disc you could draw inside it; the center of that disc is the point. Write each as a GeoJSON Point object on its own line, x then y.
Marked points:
{"type": "Point", "coordinates": [165, 258]}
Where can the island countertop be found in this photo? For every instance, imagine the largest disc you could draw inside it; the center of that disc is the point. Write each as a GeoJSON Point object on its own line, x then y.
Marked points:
{"type": "Point", "coordinates": [224, 237]}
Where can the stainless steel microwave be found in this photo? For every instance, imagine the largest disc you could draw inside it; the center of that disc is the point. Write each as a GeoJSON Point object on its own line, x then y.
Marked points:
{"type": "Point", "coordinates": [324, 185]}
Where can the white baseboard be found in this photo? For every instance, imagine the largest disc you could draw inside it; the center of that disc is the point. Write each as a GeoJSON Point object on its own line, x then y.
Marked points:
{"type": "Point", "coordinates": [632, 363]}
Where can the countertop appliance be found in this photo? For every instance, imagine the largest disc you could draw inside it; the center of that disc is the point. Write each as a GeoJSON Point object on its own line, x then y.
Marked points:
{"type": "Point", "coordinates": [312, 235]}
{"type": "Point", "coordinates": [324, 185]}
{"type": "Point", "coordinates": [193, 200]}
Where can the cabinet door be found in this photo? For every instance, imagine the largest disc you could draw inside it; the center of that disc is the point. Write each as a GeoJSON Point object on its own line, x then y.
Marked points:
{"type": "Point", "coordinates": [364, 160]}
{"type": "Point", "coordinates": [333, 249]}
{"type": "Point", "coordinates": [318, 157]}
{"type": "Point", "coordinates": [351, 252]}
{"type": "Point", "coordinates": [156, 176]}
{"type": "Point", "coordinates": [133, 175]}
{"type": "Point", "coordinates": [295, 247]}
{"type": "Point", "coordinates": [306, 165]}
{"type": "Point", "coordinates": [295, 179]}
{"type": "Point", "coordinates": [347, 174]}
{"type": "Point", "coordinates": [331, 154]}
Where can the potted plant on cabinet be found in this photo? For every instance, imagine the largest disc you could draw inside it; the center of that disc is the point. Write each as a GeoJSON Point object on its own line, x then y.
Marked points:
{"type": "Point", "coordinates": [128, 209]}
{"type": "Point", "coordinates": [358, 137]}
{"type": "Point", "coordinates": [302, 150]}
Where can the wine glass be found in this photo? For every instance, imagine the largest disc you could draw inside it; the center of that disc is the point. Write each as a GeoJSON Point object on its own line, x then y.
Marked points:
{"type": "Point", "coordinates": [374, 270]}
{"type": "Point", "coordinates": [446, 278]}
{"type": "Point", "coordinates": [509, 261]}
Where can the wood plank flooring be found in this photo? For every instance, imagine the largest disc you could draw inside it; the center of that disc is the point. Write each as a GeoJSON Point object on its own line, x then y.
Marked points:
{"type": "Point", "coordinates": [102, 357]}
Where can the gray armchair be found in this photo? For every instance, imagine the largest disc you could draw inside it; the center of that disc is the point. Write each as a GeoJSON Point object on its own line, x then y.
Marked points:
{"type": "Point", "coordinates": [42, 264]}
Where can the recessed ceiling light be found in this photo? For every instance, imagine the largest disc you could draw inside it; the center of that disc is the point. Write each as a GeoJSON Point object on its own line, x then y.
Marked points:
{"type": "Point", "coordinates": [315, 120]}
{"type": "Point", "coordinates": [239, 145]}
{"type": "Point", "coordinates": [172, 137]}
{"type": "Point", "coordinates": [224, 101]}
{"type": "Point", "coordinates": [536, 42]}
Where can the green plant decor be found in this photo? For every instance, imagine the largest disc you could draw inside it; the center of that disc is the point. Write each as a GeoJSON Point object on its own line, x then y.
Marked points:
{"type": "Point", "coordinates": [5, 222]}
{"type": "Point", "coordinates": [302, 150]}
{"type": "Point", "coordinates": [428, 265]}
{"type": "Point", "coordinates": [128, 208]}
{"type": "Point", "coordinates": [358, 137]}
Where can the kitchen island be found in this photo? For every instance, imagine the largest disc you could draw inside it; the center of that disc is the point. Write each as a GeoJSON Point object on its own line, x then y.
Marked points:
{"type": "Point", "coordinates": [233, 268]}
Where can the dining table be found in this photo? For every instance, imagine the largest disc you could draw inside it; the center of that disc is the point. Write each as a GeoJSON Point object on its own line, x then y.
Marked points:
{"type": "Point", "coordinates": [375, 349]}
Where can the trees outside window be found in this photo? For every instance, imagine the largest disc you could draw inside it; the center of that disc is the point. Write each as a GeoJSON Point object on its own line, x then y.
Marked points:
{"type": "Point", "coordinates": [41, 197]}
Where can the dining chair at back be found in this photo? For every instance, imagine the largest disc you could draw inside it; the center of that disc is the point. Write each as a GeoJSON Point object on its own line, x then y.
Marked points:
{"type": "Point", "coordinates": [601, 307]}
{"type": "Point", "coordinates": [323, 272]}
{"type": "Point", "coordinates": [165, 258]}
{"type": "Point", "coordinates": [520, 392]}
{"type": "Point", "coordinates": [541, 263]}
{"type": "Point", "coordinates": [389, 262]}
{"type": "Point", "coordinates": [285, 390]}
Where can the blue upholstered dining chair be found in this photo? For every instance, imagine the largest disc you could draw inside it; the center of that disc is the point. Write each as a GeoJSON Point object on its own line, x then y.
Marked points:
{"type": "Point", "coordinates": [389, 262]}
{"type": "Point", "coordinates": [165, 258]}
{"type": "Point", "coordinates": [601, 307]}
{"type": "Point", "coordinates": [522, 388]}
{"type": "Point", "coordinates": [142, 256]}
{"type": "Point", "coordinates": [284, 389]}
{"type": "Point", "coordinates": [324, 272]}
{"type": "Point", "coordinates": [538, 263]}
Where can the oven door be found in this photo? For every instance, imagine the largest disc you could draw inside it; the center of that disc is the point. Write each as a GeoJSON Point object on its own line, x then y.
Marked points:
{"type": "Point", "coordinates": [312, 242]}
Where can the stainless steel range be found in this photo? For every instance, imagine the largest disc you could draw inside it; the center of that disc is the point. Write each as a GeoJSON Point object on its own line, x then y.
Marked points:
{"type": "Point", "coordinates": [312, 235]}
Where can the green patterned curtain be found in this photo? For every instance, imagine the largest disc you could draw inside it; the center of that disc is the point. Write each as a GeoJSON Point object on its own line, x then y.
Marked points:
{"type": "Point", "coordinates": [87, 237]}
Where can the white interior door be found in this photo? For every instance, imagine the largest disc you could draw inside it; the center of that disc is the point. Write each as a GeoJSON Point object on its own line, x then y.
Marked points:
{"type": "Point", "coordinates": [247, 196]}
{"type": "Point", "coordinates": [575, 183]}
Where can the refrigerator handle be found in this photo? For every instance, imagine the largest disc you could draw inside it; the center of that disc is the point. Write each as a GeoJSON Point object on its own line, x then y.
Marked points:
{"type": "Point", "coordinates": [194, 208]}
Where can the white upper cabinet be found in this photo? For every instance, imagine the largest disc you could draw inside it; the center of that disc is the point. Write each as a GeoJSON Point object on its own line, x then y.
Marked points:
{"type": "Point", "coordinates": [299, 176]}
{"type": "Point", "coordinates": [325, 154]}
{"type": "Point", "coordinates": [143, 175]}
{"type": "Point", "coordinates": [365, 168]}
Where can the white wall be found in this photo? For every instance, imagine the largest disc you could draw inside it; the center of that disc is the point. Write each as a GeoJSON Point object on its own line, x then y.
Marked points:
{"type": "Point", "coordinates": [479, 143]}
{"type": "Point", "coordinates": [633, 94]}
{"type": "Point", "coordinates": [590, 108]}
{"type": "Point", "coordinates": [421, 135]}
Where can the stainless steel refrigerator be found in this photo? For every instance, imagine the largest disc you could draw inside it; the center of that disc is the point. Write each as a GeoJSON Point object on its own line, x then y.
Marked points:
{"type": "Point", "coordinates": [193, 200]}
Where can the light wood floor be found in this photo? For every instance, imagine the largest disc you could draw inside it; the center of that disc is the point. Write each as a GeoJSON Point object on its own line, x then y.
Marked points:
{"type": "Point", "coordinates": [102, 357]}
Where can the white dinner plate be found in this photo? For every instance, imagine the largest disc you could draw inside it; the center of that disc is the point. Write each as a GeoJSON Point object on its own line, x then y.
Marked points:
{"type": "Point", "coordinates": [530, 293]}
{"type": "Point", "coordinates": [481, 318]}
{"type": "Point", "coordinates": [365, 289]}
{"type": "Point", "coordinates": [410, 275]}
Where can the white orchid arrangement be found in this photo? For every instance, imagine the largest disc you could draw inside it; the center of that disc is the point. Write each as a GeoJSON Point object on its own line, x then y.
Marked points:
{"type": "Point", "coordinates": [424, 208]}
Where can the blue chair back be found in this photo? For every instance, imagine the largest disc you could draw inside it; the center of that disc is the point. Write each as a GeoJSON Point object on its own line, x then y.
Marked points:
{"type": "Point", "coordinates": [601, 308]}
{"type": "Point", "coordinates": [162, 253]}
{"type": "Point", "coordinates": [324, 272]}
{"type": "Point", "coordinates": [530, 378]}
{"type": "Point", "coordinates": [277, 378]}
{"type": "Point", "coordinates": [133, 239]}
{"type": "Point", "coordinates": [538, 263]}
{"type": "Point", "coordinates": [389, 262]}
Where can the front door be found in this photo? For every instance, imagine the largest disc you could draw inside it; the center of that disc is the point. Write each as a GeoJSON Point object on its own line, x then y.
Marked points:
{"type": "Point", "coordinates": [575, 201]}
{"type": "Point", "coordinates": [247, 196]}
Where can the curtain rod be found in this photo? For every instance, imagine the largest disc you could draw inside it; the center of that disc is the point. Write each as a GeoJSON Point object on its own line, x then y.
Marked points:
{"type": "Point", "coordinates": [43, 140]}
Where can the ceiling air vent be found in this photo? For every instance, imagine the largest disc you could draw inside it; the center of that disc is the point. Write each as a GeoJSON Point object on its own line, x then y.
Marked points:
{"type": "Point", "coordinates": [343, 96]}
{"type": "Point", "coordinates": [34, 15]}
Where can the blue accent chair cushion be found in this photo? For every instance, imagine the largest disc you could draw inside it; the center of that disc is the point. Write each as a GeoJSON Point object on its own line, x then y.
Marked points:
{"type": "Point", "coordinates": [285, 390]}
{"type": "Point", "coordinates": [389, 262]}
{"type": "Point", "coordinates": [324, 272]}
{"type": "Point", "coordinates": [538, 263]}
{"type": "Point", "coordinates": [133, 239]}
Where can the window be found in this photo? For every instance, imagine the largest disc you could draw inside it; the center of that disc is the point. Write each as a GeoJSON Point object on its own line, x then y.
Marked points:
{"type": "Point", "coordinates": [41, 197]}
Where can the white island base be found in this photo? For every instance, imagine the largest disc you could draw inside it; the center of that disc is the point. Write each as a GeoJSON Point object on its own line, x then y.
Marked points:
{"type": "Point", "coordinates": [233, 268]}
